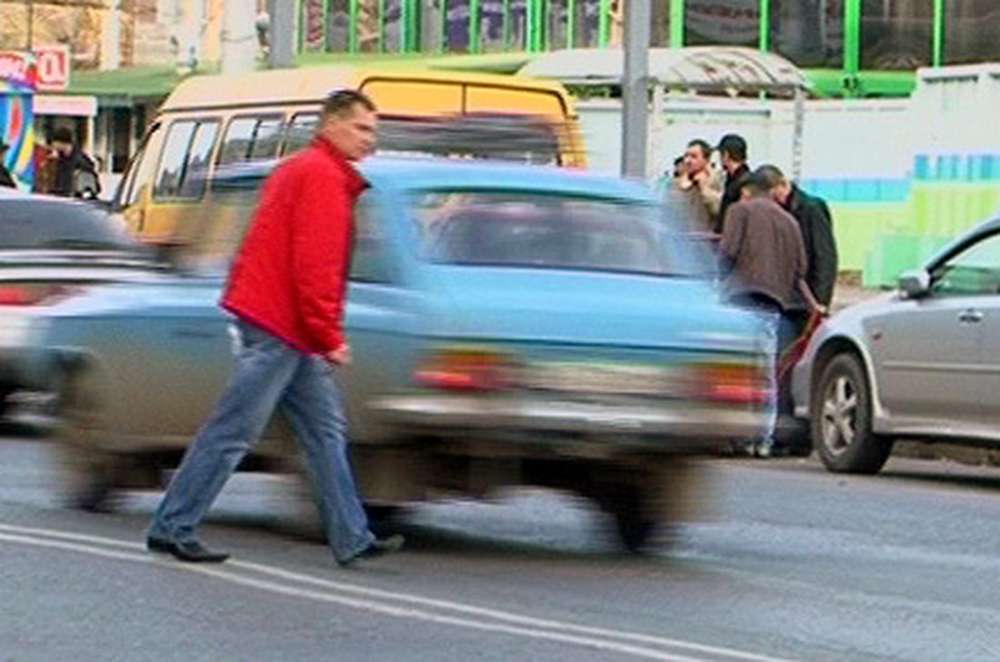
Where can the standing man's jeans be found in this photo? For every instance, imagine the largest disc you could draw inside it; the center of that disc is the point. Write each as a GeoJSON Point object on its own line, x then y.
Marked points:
{"type": "Point", "coordinates": [779, 333]}
{"type": "Point", "coordinates": [270, 374]}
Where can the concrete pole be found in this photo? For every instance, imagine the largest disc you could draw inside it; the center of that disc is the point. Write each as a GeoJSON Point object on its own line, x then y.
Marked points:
{"type": "Point", "coordinates": [635, 89]}
{"type": "Point", "coordinates": [111, 38]}
{"type": "Point", "coordinates": [282, 34]}
{"type": "Point", "coordinates": [239, 37]}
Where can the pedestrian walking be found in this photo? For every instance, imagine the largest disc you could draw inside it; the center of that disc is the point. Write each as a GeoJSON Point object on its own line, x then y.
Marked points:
{"type": "Point", "coordinates": [287, 289]}
{"type": "Point", "coordinates": [733, 154]}
{"type": "Point", "coordinates": [764, 269]}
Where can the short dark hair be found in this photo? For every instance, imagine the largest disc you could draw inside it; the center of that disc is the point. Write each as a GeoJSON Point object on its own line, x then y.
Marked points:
{"type": "Point", "coordinates": [734, 146]}
{"type": "Point", "coordinates": [755, 185]}
{"type": "Point", "coordinates": [770, 175]}
{"type": "Point", "coordinates": [339, 102]}
{"type": "Point", "coordinates": [706, 149]}
{"type": "Point", "coordinates": [62, 135]}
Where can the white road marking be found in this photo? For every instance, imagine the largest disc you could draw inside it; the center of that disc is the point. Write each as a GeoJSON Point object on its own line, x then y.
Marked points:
{"type": "Point", "coordinates": [524, 625]}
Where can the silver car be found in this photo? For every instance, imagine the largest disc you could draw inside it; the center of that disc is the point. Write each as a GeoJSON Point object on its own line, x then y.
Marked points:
{"type": "Point", "coordinates": [922, 362]}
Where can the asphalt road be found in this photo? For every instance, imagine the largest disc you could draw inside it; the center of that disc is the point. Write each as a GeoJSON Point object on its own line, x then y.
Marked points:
{"type": "Point", "coordinates": [794, 563]}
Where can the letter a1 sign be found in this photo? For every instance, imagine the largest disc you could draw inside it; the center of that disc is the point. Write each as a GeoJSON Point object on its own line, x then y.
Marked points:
{"type": "Point", "coordinates": [53, 63]}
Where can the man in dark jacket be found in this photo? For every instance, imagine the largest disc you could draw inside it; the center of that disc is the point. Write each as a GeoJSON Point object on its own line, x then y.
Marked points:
{"type": "Point", "coordinates": [816, 225]}
{"type": "Point", "coordinates": [287, 290]}
{"type": "Point", "coordinates": [733, 152]}
{"type": "Point", "coordinates": [765, 268]}
{"type": "Point", "coordinates": [71, 163]}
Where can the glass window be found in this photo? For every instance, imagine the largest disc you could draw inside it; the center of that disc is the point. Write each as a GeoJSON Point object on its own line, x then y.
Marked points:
{"type": "Point", "coordinates": [516, 138]}
{"type": "Point", "coordinates": [722, 22]}
{"type": "Point", "coordinates": [491, 26]}
{"type": "Point", "coordinates": [896, 34]}
{"type": "Point", "coordinates": [555, 24]}
{"type": "Point", "coordinates": [140, 172]}
{"type": "Point", "coordinates": [456, 34]}
{"type": "Point", "coordinates": [971, 32]}
{"type": "Point", "coordinates": [196, 174]}
{"type": "Point", "coordinates": [171, 171]}
{"type": "Point", "coordinates": [368, 26]}
{"type": "Point", "coordinates": [370, 261]}
{"type": "Point", "coordinates": [267, 138]}
{"type": "Point", "coordinates": [587, 23]}
{"type": "Point", "coordinates": [810, 33]}
{"type": "Point", "coordinates": [338, 30]}
{"type": "Point", "coordinates": [300, 132]}
{"type": "Point", "coordinates": [249, 138]}
{"type": "Point", "coordinates": [540, 231]}
{"type": "Point", "coordinates": [238, 140]}
{"type": "Point", "coordinates": [973, 272]}
{"type": "Point", "coordinates": [393, 21]}
{"type": "Point", "coordinates": [518, 25]}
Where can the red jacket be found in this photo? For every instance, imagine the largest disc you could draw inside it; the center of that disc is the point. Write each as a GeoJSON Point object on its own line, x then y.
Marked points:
{"type": "Point", "coordinates": [290, 275]}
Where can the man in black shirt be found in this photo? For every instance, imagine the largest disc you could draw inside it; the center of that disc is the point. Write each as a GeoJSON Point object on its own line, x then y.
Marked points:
{"type": "Point", "coordinates": [733, 151]}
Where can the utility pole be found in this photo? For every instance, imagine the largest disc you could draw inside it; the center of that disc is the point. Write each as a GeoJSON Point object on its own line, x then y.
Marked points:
{"type": "Point", "coordinates": [239, 37]}
{"type": "Point", "coordinates": [31, 26]}
{"type": "Point", "coordinates": [282, 34]}
{"type": "Point", "coordinates": [635, 89]}
{"type": "Point", "coordinates": [111, 46]}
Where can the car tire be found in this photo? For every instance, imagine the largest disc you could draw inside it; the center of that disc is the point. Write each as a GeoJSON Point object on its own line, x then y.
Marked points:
{"type": "Point", "coordinates": [841, 419]}
{"type": "Point", "coordinates": [89, 474]}
{"type": "Point", "coordinates": [628, 507]}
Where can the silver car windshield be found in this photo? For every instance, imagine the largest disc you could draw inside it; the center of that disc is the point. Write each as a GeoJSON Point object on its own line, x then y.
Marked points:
{"type": "Point", "coordinates": [533, 230]}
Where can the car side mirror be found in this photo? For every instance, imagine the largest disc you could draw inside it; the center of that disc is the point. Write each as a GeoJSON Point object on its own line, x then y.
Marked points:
{"type": "Point", "coordinates": [915, 284]}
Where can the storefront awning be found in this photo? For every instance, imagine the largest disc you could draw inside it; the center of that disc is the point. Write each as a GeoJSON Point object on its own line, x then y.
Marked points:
{"type": "Point", "coordinates": [67, 105]}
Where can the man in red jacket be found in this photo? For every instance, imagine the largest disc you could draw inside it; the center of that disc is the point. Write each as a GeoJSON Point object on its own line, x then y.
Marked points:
{"type": "Point", "coordinates": [286, 290]}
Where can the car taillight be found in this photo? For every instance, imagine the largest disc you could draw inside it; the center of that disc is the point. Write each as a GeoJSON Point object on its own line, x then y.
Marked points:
{"type": "Point", "coordinates": [735, 383]}
{"type": "Point", "coordinates": [30, 294]}
{"type": "Point", "coordinates": [465, 370]}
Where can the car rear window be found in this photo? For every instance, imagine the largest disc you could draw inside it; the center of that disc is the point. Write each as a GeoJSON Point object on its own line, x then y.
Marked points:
{"type": "Point", "coordinates": [34, 224]}
{"type": "Point", "coordinates": [542, 231]}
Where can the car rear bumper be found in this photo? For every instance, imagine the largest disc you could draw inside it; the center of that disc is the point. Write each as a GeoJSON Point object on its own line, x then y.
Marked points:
{"type": "Point", "coordinates": [672, 426]}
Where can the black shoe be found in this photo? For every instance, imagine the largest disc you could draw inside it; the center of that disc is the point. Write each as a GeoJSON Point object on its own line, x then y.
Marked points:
{"type": "Point", "coordinates": [192, 552]}
{"type": "Point", "coordinates": [378, 547]}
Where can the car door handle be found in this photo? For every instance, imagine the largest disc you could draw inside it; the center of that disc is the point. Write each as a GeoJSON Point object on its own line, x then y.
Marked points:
{"type": "Point", "coordinates": [970, 316]}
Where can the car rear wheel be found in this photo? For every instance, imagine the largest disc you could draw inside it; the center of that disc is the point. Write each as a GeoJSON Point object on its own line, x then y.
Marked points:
{"type": "Point", "coordinates": [89, 474]}
{"type": "Point", "coordinates": [842, 420]}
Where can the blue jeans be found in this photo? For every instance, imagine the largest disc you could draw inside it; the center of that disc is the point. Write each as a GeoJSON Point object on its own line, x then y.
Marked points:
{"type": "Point", "coordinates": [270, 374]}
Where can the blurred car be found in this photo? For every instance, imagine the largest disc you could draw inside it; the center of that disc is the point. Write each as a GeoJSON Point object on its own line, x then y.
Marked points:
{"type": "Point", "coordinates": [52, 248]}
{"type": "Point", "coordinates": [922, 362]}
{"type": "Point", "coordinates": [509, 325]}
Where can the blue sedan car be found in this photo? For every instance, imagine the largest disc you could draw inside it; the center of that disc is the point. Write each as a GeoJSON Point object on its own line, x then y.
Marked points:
{"type": "Point", "coordinates": [509, 324]}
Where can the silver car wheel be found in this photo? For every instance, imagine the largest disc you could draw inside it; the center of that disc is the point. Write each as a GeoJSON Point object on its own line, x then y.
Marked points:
{"type": "Point", "coordinates": [840, 404]}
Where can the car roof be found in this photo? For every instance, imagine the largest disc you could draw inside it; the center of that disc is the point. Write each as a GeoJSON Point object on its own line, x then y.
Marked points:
{"type": "Point", "coordinates": [418, 173]}
{"type": "Point", "coordinates": [426, 173]}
